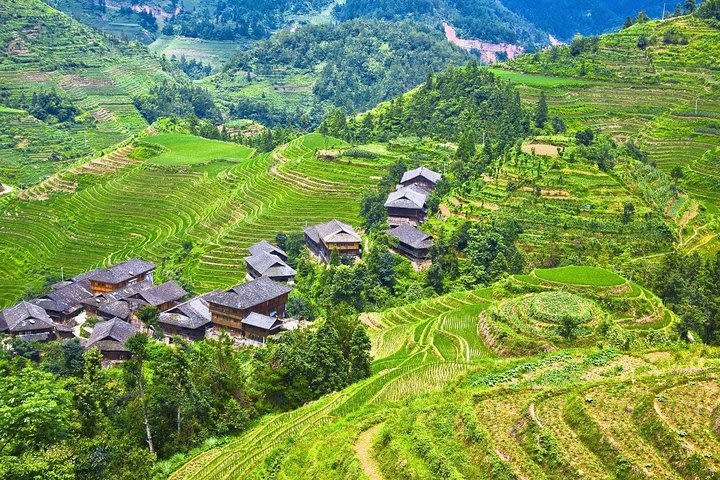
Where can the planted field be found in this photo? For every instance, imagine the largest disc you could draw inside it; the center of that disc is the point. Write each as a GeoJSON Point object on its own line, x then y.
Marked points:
{"type": "Point", "coordinates": [505, 416]}
{"type": "Point", "coordinates": [99, 75]}
{"type": "Point", "coordinates": [589, 276]}
{"type": "Point", "coordinates": [664, 95]}
{"type": "Point", "coordinates": [221, 196]}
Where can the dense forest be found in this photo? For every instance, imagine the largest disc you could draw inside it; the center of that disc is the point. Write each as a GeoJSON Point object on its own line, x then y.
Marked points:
{"type": "Point", "coordinates": [224, 20]}
{"type": "Point", "coordinates": [358, 63]}
{"type": "Point", "coordinates": [64, 417]}
{"type": "Point", "coordinates": [480, 19]}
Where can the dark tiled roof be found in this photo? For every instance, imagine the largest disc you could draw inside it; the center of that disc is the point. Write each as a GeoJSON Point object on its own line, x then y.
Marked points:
{"type": "Point", "coordinates": [406, 198]}
{"type": "Point", "coordinates": [66, 297]}
{"type": "Point", "coordinates": [192, 314]}
{"type": "Point", "coordinates": [118, 308]}
{"type": "Point", "coordinates": [102, 299]}
{"type": "Point", "coordinates": [411, 236]}
{"type": "Point", "coordinates": [265, 247]}
{"type": "Point", "coordinates": [24, 317]}
{"type": "Point", "coordinates": [122, 272]}
{"type": "Point", "coordinates": [269, 265]}
{"type": "Point", "coordinates": [160, 294]}
{"type": "Point", "coordinates": [262, 321]}
{"type": "Point", "coordinates": [249, 294]}
{"type": "Point", "coordinates": [114, 330]}
{"type": "Point", "coordinates": [423, 172]}
{"type": "Point", "coordinates": [333, 231]}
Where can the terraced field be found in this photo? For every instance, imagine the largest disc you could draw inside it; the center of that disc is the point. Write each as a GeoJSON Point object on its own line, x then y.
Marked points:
{"type": "Point", "coordinates": [45, 50]}
{"type": "Point", "coordinates": [221, 196]}
{"type": "Point", "coordinates": [665, 95]}
{"type": "Point", "coordinates": [561, 202]}
{"type": "Point", "coordinates": [505, 414]}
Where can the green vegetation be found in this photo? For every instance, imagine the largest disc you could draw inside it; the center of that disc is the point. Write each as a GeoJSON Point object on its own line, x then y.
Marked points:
{"type": "Point", "coordinates": [529, 416]}
{"type": "Point", "coordinates": [296, 76]}
{"type": "Point", "coordinates": [179, 149]}
{"type": "Point", "coordinates": [590, 276]}
{"type": "Point", "coordinates": [66, 91]}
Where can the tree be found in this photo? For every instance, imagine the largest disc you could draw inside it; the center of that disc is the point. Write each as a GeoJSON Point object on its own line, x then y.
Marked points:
{"type": "Point", "coordinates": [676, 173]}
{"type": "Point", "coordinates": [585, 137]}
{"type": "Point", "coordinates": [568, 325]}
{"type": "Point", "coordinates": [629, 22]}
{"type": "Point", "coordinates": [328, 366]}
{"type": "Point", "coordinates": [359, 354]}
{"type": "Point", "coordinates": [91, 396]}
{"type": "Point", "coordinates": [35, 411]}
{"type": "Point", "coordinates": [541, 113]}
{"type": "Point", "coordinates": [628, 212]}
{"type": "Point", "coordinates": [643, 42]}
{"type": "Point", "coordinates": [434, 278]}
{"type": "Point", "coordinates": [137, 345]}
{"type": "Point", "coordinates": [466, 147]}
{"type": "Point", "coordinates": [690, 6]}
{"type": "Point", "coordinates": [558, 125]}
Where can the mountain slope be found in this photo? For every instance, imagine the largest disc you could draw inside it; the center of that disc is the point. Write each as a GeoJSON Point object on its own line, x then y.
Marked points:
{"type": "Point", "coordinates": [44, 51]}
{"type": "Point", "coordinates": [354, 65]}
{"type": "Point", "coordinates": [665, 94]}
{"type": "Point", "coordinates": [508, 413]}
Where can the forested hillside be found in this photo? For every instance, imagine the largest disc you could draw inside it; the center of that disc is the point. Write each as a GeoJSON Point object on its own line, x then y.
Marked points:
{"type": "Point", "coordinates": [297, 76]}
{"type": "Point", "coordinates": [485, 20]}
{"type": "Point", "coordinates": [65, 90]}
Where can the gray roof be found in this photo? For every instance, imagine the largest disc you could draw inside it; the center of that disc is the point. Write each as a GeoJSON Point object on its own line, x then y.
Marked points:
{"type": "Point", "coordinates": [265, 247]}
{"type": "Point", "coordinates": [24, 317]}
{"type": "Point", "coordinates": [411, 236]}
{"type": "Point", "coordinates": [269, 265]}
{"type": "Point", "coordinates": [191, 314]}
{"type": "Point", "coordinates": [423, 172]}
{"type": "Point", "coordinates": [333, 231]}
{"type": "Point", "coordinates": [249, 294]}
{"type": "Point", "coordinates": [122, 272]}
{"type": "Point", "coordinates": [114, 330]}
{"type": "Point", "coordinates": [406, 198]}
{"type": "Point", "coordinates": [65, 298]}
{"type": "Point", "coordinates": [262, 321]}
{"type": "Point", "coordinates": [118, 308]}
{"type": "Point", "coordinates": [160, 294]}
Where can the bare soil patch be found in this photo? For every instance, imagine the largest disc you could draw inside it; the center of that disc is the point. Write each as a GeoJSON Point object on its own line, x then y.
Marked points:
{"type": "Point", "coordinates": [543, 149]}
{"type": "Point", "coordinates": [78, 81]}
{"type": "Point", "coordinates": [363, 450]}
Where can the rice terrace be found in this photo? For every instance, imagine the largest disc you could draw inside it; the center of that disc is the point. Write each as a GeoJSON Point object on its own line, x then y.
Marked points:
{"type": "Point", "coordinates": [326, 240]}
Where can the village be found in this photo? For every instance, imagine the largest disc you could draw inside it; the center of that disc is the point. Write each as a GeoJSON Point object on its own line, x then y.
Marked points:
{"type": "Point", "coordinates": [102, 307]}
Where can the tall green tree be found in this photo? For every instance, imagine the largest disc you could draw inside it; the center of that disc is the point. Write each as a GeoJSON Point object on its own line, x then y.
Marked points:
{"type": "Point", "coordinates": [359, 354]}
{"type": "Point", "coordinates": [541, 112]}
{"type": "Point", "coordinates": [137, 345]}
{"type": "Point", "coordinates": [329, 368]}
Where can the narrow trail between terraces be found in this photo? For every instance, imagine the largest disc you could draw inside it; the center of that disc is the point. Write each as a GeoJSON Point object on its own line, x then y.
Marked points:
{"type": "Point", "coordinates": [363, 450]}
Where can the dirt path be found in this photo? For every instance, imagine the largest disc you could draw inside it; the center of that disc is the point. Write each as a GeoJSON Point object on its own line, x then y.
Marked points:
{"type": "Point", "coordinates": [363, 450]}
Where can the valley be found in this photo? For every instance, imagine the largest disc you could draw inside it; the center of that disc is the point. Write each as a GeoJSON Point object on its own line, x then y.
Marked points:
{"type": "Point", "coordinates": [359, 239]}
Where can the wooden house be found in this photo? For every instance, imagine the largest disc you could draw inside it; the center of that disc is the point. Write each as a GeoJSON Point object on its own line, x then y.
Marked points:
{"type": "Point", "coordinates": [190, 320]}
{"type": "Point", "coordinates": [264, 246]}
{"type": "Point", "coordinates": [406, 205]}
{"type": "Point", "coordinates": [31, 322]}
{"type": "Point", "coordinates": [258, 327]}
{"type": "Point", "coordinates": [421, 177]}
{"type": "Point", "coordinates": [263, 296]}
{"type": "Point", "coordinates": [412, 243]}
{"type": "Point", "coordinates": [322, 239]}
{"type": "Point", "coordinates": [162, 297]}
{"type": "Point", "coordinates": [110, 337]}
{"type": "Point", "coordinates": [64, 302]}
{"type": "Point", "coordinates": [118, 304]}
{"type": "Point", "coordinates": [265, 264]}
{"type": "Point", "coordinates": [121, 275]}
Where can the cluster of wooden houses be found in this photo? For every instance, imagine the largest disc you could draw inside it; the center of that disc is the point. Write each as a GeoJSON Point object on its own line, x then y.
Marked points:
{"type": "Point", "coordinates": [407, 209]}
{"type": "Point", "coordinates": [251, 311]}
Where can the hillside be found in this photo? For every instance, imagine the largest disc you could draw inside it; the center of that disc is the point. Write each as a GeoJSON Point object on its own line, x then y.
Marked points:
{"type": "Point", "coordinates": [567, 412]}
{"type": "Point", "coordinates": [354, 66]}
{"type": "Point", "coordinates": [221, 196]}
{"type": "Point", "coordinates": [665, 95]}
{"type": "Point", "coordinates": [95, 77]}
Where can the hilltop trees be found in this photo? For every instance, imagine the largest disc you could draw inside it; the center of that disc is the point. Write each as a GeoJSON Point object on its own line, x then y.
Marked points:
{"type": "Point", "coordinates": [541, 112]}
